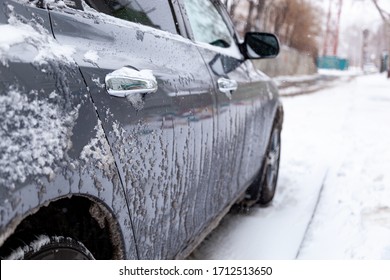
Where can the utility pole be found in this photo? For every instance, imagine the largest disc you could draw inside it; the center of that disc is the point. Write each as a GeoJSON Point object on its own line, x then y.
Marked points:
{"type": "Point", "coordinates": [387, 51]}
{"type": "Point", "coordinates": [364, 48]}
{"type": "Point", "coordinates": [331, 41]}
{"type": "Point", "coordinates": [387, 32]}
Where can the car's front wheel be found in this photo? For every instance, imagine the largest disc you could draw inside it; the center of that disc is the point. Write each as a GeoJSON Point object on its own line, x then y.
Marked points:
{"type": "Point", "coordinates": [271, 168]}
{"type": "Point", "coordinates": [262, 190]}
{"type": "Point", "coordinates": [51, 248]}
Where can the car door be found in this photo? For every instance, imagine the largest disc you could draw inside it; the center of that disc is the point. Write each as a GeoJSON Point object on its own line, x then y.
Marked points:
{"type": "Point", "coordinates": [52, 148]}
{"type": "Point", "coordinates": [246, 98]}
{"type": "Point", "coordinates": [153, 94]}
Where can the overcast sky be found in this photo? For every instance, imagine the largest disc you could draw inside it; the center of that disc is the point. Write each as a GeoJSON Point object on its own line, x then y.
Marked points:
{"type": "Point", "coordinates": [361, 14]}
{"type": "Point", "coordinates": [362, 11]}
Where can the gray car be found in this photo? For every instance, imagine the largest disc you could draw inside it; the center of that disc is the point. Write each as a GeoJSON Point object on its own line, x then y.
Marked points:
{"type": "Point", "coordinates": [129, 128]}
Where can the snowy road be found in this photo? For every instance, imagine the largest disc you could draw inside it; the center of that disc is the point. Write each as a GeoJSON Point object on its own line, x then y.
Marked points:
{"type": "Point", "coordinates": [335, 151]}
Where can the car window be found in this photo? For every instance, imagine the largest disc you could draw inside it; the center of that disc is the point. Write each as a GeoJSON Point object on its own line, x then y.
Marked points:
{"type": "Point", "coordinates": [157, 14]}
{"type": "Point", "coordinates": [207, 24]}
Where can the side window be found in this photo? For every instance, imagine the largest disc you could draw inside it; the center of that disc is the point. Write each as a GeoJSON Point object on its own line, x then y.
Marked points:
{"type": "Point", "coordinates": [207, 24]}
{"type": "Point", "coordinates": [153, 13]}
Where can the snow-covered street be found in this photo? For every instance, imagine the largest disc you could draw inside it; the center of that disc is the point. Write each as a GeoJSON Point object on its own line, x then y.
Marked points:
{"type": "Point", "coordinates": [333, 197]}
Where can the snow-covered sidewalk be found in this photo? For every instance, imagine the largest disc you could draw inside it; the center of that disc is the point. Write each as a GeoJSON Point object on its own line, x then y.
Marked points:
{"type": "Point", "coordinates": [353, 217]}
{"type": "Point", "coordinates": [336, 143]}
{"type": "Point", "coordinates": [297, 85]}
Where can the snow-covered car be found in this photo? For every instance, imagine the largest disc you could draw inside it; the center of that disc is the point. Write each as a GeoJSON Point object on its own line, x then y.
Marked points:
{"type": "Point", "coordinates": [129, 128]}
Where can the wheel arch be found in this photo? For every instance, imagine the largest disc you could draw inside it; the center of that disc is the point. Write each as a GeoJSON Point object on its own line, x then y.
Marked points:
{"type": "Point", "coordinates": [252, 194]}
{"type": "Point", "coordinates": [279, 116]}
{"type": "Point", "coordinates": [83, 218]}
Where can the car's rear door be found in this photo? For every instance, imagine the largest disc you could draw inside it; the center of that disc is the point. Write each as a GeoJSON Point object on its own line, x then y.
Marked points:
{"type": "Point", "coordinates": [162, 138]}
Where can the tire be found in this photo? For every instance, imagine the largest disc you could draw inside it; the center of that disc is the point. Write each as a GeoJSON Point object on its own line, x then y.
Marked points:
{"type": "Point", "coordinates": [262, 190]}
{"type": "Point", "coordinates": [270, 169]}
{"type": "Point", "coordinates": [52, 248]}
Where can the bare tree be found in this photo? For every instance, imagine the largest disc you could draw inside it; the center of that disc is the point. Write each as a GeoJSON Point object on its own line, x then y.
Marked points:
{"type": "Point", "coordinates": [384, 14]}
{"type": "Point", "coordinates": [386, 20]}
{"type": "Point", "coordinates": [296, 22]}
{"type": "Point", "coordinates": [231, 6]}
{"type": "Point", "coordinates": [251, 12]}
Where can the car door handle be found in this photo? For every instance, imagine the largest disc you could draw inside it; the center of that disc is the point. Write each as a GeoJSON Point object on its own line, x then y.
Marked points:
{"type": "Point", "coordinates": [127, 81]}
{"type": "Point", "coordinates": [227, 85]}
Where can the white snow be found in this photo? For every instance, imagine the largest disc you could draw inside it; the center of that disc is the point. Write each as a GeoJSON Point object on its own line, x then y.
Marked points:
{"type": "Point", "coordinates": [37, 244]}
{"type": "Point", "coordinates": [34, 134]}
{"type": "Point", "coordinates": [13, 35]}
{"type": "Point", "coordinates": [55, 4]}
{"type": "Point", "coordinates": [128, 74]}
{"type": "Point", "coordinates": [301, 78]}
{"type": "Point", "coordinates": [91, 57]}
{"type": "Point", "coordinates": [97, 82]}
{"type": "Point", "coordinates": [352, 71]}
{"type": "Point", "coordinates": [97, 152]}
{"type": "Point", "coordinates": [353, 217]}
{"type": "Point", "coordinates": [337, 138]}
{"type": "Point", "coordinates": [19, 30]}
{"type": "Point", "coordinates": [34, 246]}
{"type": "Point", "coordinates": [295, 85]}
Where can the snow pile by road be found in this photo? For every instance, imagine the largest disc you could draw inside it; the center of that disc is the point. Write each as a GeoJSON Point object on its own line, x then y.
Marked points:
{"type": "Point", "coordinates": [335, 150]}
{"type": "Point", "coordinates": [297, 85]}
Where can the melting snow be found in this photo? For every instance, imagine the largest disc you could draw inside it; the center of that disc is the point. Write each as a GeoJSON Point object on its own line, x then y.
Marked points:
{"type": "Point", "coordinates": [136, 100]}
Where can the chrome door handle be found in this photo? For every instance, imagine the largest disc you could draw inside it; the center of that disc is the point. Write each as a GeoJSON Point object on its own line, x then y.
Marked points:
{"type": "Point", "coordinates": [126, 81]}
{"type": "Point", "coordinates": [227, 85]}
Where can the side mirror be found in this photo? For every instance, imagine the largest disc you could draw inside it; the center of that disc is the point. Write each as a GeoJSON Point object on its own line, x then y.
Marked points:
{"type": "Point", "coordinates": [260, 45]}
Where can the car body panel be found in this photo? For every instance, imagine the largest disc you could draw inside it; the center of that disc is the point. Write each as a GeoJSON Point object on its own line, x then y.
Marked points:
{"type": "Point", "coordinates": [45, 107]}
{"type": "Point", "coordinates": [162, 142]}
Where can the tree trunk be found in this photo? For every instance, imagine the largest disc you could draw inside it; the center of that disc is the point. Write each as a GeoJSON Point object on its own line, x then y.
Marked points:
{"type": "Point", "coordinates": [259, 14]}
{"type": "Point", "coordinates": [251, 11]}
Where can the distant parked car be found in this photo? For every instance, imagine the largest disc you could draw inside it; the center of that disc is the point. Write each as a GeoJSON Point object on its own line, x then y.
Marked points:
{"type": "Point", "coordinates": [129, 128]}
{"type": "Point", "coordinates": [370, 68]}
